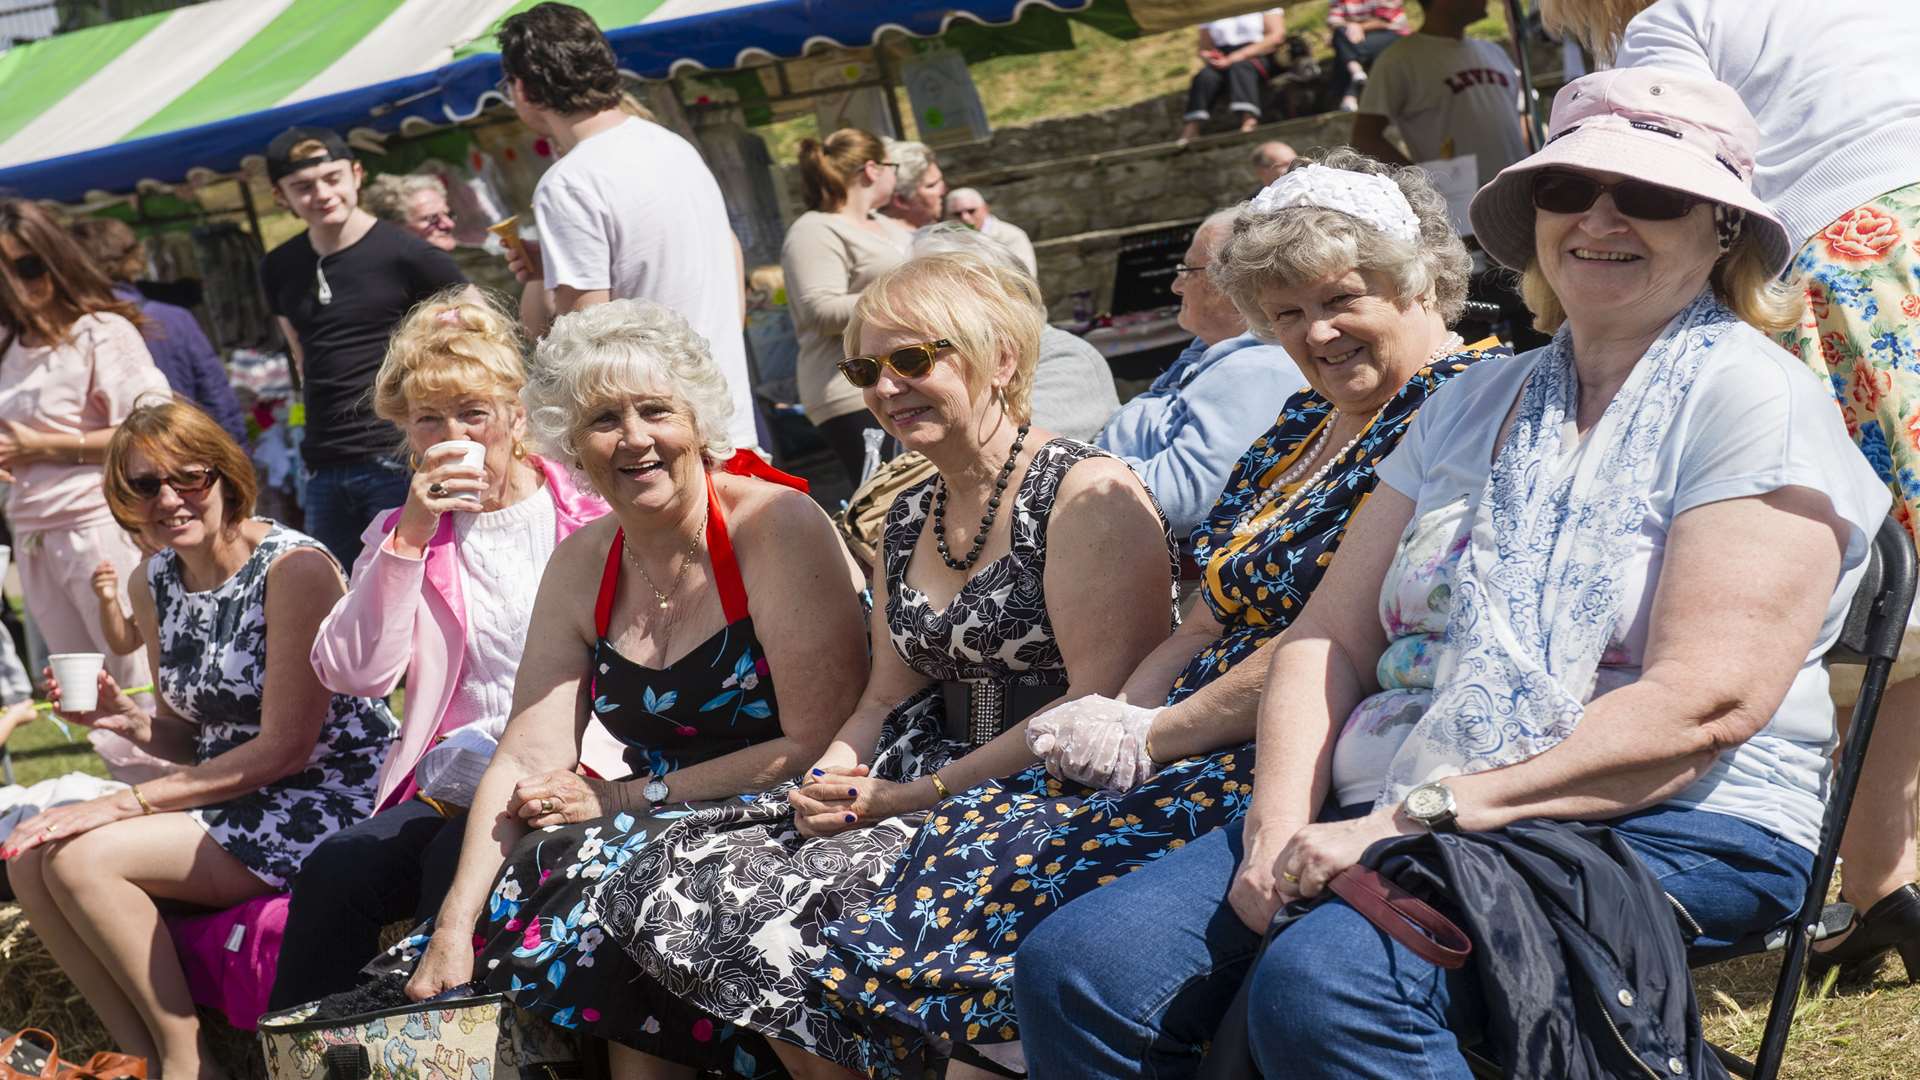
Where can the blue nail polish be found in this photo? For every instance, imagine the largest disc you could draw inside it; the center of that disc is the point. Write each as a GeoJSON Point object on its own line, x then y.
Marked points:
{"type": "Point", "coordinates": [817, 772]}
{"type": "Point", "coordinates": [853, 791]}
{"type": "Point", "coordinates": [849, 818]}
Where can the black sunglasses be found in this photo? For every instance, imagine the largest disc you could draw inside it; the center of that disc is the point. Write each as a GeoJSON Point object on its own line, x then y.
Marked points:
{"type": "Point", "coordinates": [29, 267]}
{"type": "Point", "coordinates": [184, 482]}
{"type": "Point", "coordinates": [908, 362]}
{"type": "Point", "coordinates": [1559, 192]}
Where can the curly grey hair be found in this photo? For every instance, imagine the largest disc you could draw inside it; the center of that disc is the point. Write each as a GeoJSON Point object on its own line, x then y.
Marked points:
{"type": "Point", "coordinates": [613, 351]}
{"type": "Point", "coordinates": [913, 159]}
{"type": "Point", "coordinates": [1299, 244]}
{"type": "Point", "coordinates": [387, 195]}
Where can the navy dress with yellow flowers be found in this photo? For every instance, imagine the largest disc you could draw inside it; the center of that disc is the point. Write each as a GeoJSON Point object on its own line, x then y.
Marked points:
{"type": "Point", "coordinates": [927, 964]}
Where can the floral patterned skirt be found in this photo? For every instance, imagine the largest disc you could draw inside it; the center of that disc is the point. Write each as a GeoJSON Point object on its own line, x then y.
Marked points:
{"type": "Point", "coordinates": [1861, 331]}
{"type": "Point", "coordinates": [927, 962]}
{"type": "Point", "coordinates": [540, 942]}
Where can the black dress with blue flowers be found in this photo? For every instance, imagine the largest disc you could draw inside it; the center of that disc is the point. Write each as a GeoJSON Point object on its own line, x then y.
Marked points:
{"type": "Point", "coordinates": [538, 940]}
{"type": "Point", "coordinates": [927, 964]}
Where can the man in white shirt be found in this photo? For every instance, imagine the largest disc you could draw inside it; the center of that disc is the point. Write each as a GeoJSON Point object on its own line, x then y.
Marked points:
{"type": "Point", "coordinates": [630, 211]}
{"type": "Point", "coordinates": [1449, 95]}
{"type": "Point", "coordinates": [969, 207]}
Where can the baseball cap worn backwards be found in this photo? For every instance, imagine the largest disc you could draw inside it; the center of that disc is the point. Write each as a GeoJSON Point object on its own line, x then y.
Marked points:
{"type": "Point", "coordinates": [1669, 128]}
{"type": "Point", "coordinates": [281, 161]}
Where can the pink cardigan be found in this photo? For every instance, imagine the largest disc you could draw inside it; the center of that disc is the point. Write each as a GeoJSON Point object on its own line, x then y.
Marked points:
{"type": "Point", "coordinates": [404, 616]}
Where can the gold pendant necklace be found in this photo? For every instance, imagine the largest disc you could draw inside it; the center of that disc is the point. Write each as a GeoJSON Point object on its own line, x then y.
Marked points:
{"type": "Point", "coordinates": [664, 598]}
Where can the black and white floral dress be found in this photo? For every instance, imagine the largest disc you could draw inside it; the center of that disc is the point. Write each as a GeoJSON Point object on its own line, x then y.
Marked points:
{"type": "Point", "coordinates": [213, 669]}
{"type": "Point", "coordinates": [724, 909]}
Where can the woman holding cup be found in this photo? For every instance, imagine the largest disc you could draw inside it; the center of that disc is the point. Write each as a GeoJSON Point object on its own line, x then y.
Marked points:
{"type": "Point", "coordinates": [440, 595]}
{"type": "Point", "coordinates": [266, 761]}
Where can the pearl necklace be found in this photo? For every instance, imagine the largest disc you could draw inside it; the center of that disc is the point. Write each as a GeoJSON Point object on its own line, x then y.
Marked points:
{"type": "Point", "coordinates": [1243, 525]}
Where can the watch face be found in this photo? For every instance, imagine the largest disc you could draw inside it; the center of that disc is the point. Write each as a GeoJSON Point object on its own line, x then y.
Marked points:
{"type": "Point", "coordinates": [655, 791]}
{"type": "Point", "coordinates": [1426, 802]}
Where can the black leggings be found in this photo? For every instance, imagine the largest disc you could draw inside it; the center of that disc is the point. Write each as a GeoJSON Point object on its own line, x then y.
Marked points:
{"type": "Point", "coordinates": [1241, 80]}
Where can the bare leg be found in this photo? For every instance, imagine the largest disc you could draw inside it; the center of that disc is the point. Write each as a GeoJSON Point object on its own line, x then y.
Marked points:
{"type": "Point", "coordinates": [1189, 131]}
{"type": "Point", "coordinates": [626, 1063]}
{"type": "Point", "coordinates": [1879, 844]}
{"type": "Point", "coordinates": [106, 881]}
{"type": "Point", "coordinates": [96, 984]}
{"type": "Point", "coordinates": [1247, 123]}
{"type": "Point", "coordinates": [805, 1066]}
{"type": "Point", "coordinates": [960, 1070]}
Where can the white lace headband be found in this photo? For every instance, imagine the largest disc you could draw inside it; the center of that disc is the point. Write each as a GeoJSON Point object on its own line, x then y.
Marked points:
{"type": "Point", "coordinates": [1375, 200]}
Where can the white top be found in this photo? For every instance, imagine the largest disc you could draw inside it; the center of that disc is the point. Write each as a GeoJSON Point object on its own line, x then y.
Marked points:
{"type": "Point", "coordinates": [502, 555]}
{"type": "Point", "coordinates": [635, 210]}
{"type": "Point", "coordinates": [1834, 86]}
{"type": "Point", "coordinates": [1437, 90]}
{"type": "Point", "coordinates": [1014, 239]}
{"type": "Point", "coordinates": [1234, 31]}
{"type": "Point", "coordinates": [1755, 421]}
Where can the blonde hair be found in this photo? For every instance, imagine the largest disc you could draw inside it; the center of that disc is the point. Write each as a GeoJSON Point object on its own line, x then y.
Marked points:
{"type": "Point", "coordinates": [447, 346]}
{"type": "Point", "coordinates": [1597, 24]}
{"type": "Point", "coordinates": [1743, 279]}
{"type": "Point", "coordinates": [827, 168]}
{"type": "Point", "coordinates": [612, 351]}
{"type": "Point", "coordinates": [986, 308]}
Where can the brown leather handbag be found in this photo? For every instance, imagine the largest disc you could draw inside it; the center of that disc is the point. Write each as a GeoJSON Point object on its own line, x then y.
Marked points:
{"type": "Point", "coordinates": [21, 1059]}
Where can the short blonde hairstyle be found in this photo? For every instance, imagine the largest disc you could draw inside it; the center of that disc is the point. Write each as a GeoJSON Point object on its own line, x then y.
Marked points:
{"type": "Point", "coordinates": [988, 309]}
{"type": "Point", "coordinates": [448, 346]}
{"type": "Point", "coordinates": [613, 351]}
{"type": "Point", "coordinates": [1299, 244]}
{"type": "Point", "coordinates": [388, 194]}
{"type": "Point", "coordinates": [1597, 24]}
{"type": "Point", "coordinates": [1743, 279]}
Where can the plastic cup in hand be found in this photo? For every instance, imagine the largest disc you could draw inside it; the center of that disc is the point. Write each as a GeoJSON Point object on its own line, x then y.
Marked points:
{"type": "Point", "coordinates": [78, 674]}
{"type": "Point", "coordinates": [472, 454]}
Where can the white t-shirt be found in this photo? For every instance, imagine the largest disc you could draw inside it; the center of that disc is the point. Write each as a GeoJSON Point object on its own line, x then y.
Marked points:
{"type": "Point", "coordinates": [1755, 421]}
{"type": "Point", "coordinates": [1234, 31]}
{"type": "Point", "coordinates": [1435, 89]}
{"type": "Point", "coordinates": [1834, 86]}
{"type": "Point", "coordinates": [635, 210]}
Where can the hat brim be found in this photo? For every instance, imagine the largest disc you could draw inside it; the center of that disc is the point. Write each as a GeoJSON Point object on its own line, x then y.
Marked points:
{"type": "Point", "coordinates": [1503, 213]}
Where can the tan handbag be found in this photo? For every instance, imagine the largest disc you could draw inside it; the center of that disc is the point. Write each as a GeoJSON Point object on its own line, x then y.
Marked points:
{"type": "Point", "coordinates": [865, 518]}
{"type": "Point", "coordinates": [22, 1060]}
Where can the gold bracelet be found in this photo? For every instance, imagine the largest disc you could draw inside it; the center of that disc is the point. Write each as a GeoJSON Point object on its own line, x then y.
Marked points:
{"type": "Point", "coordinates": [146, 808]}
{"type": "Point", "coordinates": [1146, 743]}
{"type": "Point", "coordinates": [940, 787]}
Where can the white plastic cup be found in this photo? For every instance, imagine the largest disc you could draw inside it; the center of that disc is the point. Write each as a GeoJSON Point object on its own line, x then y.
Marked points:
{"type": "Point", "coordinates": [473, 455]}
{"type": "Point", "coordinates": [78, 674]}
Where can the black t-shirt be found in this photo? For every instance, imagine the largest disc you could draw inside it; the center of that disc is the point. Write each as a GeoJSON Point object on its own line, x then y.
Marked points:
{"type": "Point", "coordinates": [371, 286]}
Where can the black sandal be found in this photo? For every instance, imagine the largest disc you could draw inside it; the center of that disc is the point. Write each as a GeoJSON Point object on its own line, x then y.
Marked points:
{"type": "Point", "coordinates": [1892, 924]}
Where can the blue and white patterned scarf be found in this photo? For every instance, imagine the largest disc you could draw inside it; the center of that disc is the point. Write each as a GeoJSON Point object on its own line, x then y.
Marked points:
{"type": "Point", "coordinates": [1539, 586]}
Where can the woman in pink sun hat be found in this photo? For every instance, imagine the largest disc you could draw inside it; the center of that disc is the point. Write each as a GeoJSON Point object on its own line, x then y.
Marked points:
{"type": "Point", "coordinates": [1836, 93]}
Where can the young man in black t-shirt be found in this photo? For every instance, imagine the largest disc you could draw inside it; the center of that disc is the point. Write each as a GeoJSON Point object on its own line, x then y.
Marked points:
{"type": "Point", "coordinates": [337, 290]}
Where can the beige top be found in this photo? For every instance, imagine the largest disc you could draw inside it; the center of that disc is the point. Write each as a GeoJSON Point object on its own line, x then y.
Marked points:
{"type": "Point", "coordinates": [828, 260]}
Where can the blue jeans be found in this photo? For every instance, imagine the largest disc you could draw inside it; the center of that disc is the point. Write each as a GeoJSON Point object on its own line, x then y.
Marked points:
{"type": "Point", "coordinates": [343, 499]}
{"type": "Point", "coordinates": [1131, 980]}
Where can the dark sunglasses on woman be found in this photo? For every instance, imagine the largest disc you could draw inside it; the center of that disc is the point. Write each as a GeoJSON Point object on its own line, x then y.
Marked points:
{"type": "Point", "coordinates": [908, 362]}
{"type": "Point", "coordinates": [29, 267]}
{"type": "Point", "coordinates": [1559, 192]}
{"type": "Point", "coordinates": [184, 482]}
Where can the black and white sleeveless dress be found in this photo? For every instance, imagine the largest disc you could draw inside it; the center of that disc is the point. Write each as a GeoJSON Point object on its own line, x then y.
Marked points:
{"type": "Point", "coordinates": [724, 909]}
{"type": "Point", "coordinates": [213, 669]}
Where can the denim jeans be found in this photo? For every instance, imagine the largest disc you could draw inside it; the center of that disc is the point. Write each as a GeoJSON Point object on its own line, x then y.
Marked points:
{"type": "Point", "coordinates": [343, 499]}
{"type": "Point", "coordinates": [1131, 980]}
{"type": "Point", "coordinates": [397, 864]}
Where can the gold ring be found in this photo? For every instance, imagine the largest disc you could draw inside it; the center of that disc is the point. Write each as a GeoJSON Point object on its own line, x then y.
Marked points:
{"type": "Point", "coordinates": [1291, 880]}
{"type": "Point", "coordinates": [546, 806]}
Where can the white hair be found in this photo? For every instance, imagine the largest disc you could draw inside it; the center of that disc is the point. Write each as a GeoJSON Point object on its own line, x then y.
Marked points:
{"type": "Point", "coordinates": [944, 237]}
{"type": "Point", "coordinates": [914, 158]}
{"type": "Point", "coordinates": [388, 194]}
{"type": "Point", "coordinates": [965, 191]}
{"type": "Point", "coordinates": [615, 350]}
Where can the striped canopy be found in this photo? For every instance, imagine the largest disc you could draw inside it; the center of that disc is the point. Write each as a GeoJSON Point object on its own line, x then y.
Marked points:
{"type": "Point", "coordinates": [202, 87]}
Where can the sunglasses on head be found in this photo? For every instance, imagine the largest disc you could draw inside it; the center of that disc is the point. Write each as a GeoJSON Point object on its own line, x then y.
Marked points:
{"type": "Point", "coordinates": [184, 482]}
{"type": "Point", "coordinates": [908, 362]}
{"type": "Point", "coordinates": [1559, 192]}
{"type": "Point", "coordinates": [29, 267]}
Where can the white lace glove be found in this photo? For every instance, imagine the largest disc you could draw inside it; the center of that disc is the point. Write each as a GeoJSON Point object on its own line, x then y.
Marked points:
{"type": "Point", "coordinates": [1095, 741]}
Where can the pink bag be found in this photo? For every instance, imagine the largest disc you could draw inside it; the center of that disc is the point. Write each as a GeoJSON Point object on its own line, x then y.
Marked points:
{"type": "Point", "coordinates": [230, 956]}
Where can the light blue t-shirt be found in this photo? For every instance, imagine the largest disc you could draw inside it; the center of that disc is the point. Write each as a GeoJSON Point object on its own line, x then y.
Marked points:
{"type": "Point", "coordinates": [1184, 435]}
{"type": "Point", "coordinates": [1755, 421]}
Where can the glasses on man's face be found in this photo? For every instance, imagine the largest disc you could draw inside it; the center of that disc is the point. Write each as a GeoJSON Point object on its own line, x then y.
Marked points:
{"type": "Point", "coordinates": [1559, 192]}
{"type": "Point", "coordinates": [908, 362]}
{"type": "Point", "coordinates": [1181, 270]}
{"type": "Point", "coordinates": [185, 482]}
{"type": "Point", "coordinates": [29, 267]}
{"type": "Point", "coordinates": [445, 219]}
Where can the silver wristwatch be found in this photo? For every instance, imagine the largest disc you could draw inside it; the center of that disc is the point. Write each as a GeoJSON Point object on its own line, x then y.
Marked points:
{"type": "Point", "coordinates": [1431, 804]}
{"type": "Point", "coordinates": [656, 791]}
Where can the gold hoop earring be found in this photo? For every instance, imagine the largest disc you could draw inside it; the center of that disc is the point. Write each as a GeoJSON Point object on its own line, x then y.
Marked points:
{"type": "Point", "coordinates": [413, 461]}
{"type": "Point", "coordinates": [519, 450]}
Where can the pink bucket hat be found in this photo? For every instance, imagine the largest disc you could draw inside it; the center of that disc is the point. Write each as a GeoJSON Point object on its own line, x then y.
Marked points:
{"type": "Point", "coordinates": [1669, 128]}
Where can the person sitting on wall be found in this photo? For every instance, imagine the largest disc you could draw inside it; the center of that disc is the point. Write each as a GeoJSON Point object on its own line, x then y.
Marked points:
{"type": "Point", "coordinates": [1236, 55]}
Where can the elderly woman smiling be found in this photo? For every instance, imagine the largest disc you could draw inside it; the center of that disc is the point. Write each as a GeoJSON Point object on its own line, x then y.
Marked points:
{"type": "Point", "coordinates": [723, 649]}
{"type": "Point", "coordinates": [1352, 266]}
{"type": "Point", "coordinates": [1660, 447]}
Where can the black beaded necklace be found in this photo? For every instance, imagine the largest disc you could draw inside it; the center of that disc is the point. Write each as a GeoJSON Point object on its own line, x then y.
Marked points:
{"type": "Point", "coordinates": [986, 519]}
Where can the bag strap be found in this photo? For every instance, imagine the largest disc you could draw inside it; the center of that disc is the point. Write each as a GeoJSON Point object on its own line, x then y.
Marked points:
{"type": "Point", "coordinates": [12, 1043]}
{"type": "Point", "coordinates": [1403, 917]}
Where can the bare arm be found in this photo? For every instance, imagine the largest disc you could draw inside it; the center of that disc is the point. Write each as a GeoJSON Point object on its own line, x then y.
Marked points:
{"type": "Point", "coordinates": [1273, 35]}
{"type": "Point", "coordinates": [567, 299]}
{"type": "Point", "coordinates": [1150, 682]}
{"type": "Point", "coordinates": [294, 353]}
{"type": "Point", "coordinates": [1370, 138]}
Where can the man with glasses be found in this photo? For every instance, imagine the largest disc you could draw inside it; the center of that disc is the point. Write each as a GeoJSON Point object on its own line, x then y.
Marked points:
{"type": "Point", "coordinates": [1184, 434]}
{"type": "Point", "coordinates": [337, 290]}
{"type": "Point", "coordinates": [630, 211]}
